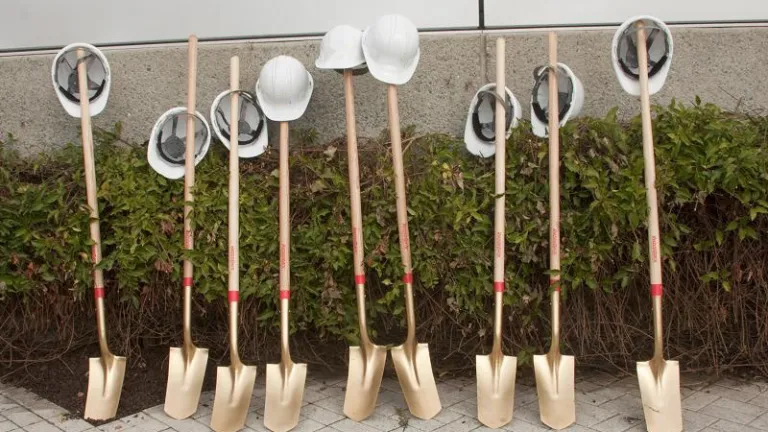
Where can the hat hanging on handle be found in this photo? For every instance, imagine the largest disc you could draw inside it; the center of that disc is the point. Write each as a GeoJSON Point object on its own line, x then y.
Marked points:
{"type": "Point", "coordinates": [252, 123]}
{"type": "Point", "coordinates": [480, 128]}
{"type": "Point", "coordinates": [64, 77]}
{"type": "Point", "coordinates": [284, 89]}
{"type": "Point", "coordinates": [166, 148]}
{"type": "Point", "coordinates": [341, 48]}
{"type": "Point", "coordinates": [570, 97]}
{"type": "Point", "coordinates": [659, 46]}
{"type": "Point", "coordinates": [391, 49]}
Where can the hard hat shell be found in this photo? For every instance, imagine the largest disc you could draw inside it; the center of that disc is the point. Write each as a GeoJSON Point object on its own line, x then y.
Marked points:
{"type": "Point", "coordinates": [156, 160]}
{"type": "Point", "coordinates": [391, 49]}
{"type": "Point", "coordinates": [485, 146]}
{"type": "Point", "coordinates": [71, 104]}
{"type": "Point", "coordinates": [659, 69]}
{"type": "Point", "coordinates": [255, 119]}
{"type": "Point", "coordinates": [284, 88]}
{"type": "Point", "coordinates": [569, 106]}
{"type": "Point", "coordinates": [341, 48]}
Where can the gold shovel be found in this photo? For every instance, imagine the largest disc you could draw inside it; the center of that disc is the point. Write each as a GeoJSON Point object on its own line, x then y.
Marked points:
{"type": "Point", "coordinates": [555, 372]}
{"type": "Point", "coordinates": [366, 362]}
{"type": "Point", "coordinates": [659, 379]}
{"type": "Point", "coordinates": [496, 372]}
{"type": "Point", "coordinates": [412, 364]}
{"type": "Point", "coordinates": [105, 373]}
{"type": "Point", "coordinates": [234, 384]}
{"type": "Point", "coordinates": [285, 380]}
{"type": "Point", "coordinates": [186, 365]}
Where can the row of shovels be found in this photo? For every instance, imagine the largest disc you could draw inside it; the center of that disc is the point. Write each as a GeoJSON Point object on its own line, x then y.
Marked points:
{"type": "Point", "coordinates": [496, 372]}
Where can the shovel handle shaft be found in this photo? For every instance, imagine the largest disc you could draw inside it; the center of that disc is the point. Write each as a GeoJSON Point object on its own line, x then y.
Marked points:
{"type": "Point", "coordinates": [93, 205]}
{"type": "Point", "coordinates": [499, 210]}
{"type": "Point", "coordinates": [234, 212]}
{"type": "Point", "coordinates": [285, 242]}
{"type": "Point", "coordinates": [189, 182]}
{"type": "Point", "coordinates": [554, 192]}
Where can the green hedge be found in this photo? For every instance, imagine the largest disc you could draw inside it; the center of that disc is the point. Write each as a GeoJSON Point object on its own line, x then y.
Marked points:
{"type": "Point", "coordinates": [713, 188]}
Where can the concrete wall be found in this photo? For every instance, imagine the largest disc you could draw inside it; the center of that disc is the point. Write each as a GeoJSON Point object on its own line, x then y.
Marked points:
{"type": "Point", "coordinates": [726, 66]}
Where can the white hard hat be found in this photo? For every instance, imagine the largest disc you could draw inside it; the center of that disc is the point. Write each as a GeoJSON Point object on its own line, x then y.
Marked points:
{"type": "Point", "coordinates": [168, 143]}
{"type": "Point", "coordinates": [64, 76]}
{"type": "Point", "coordinates": [624, 52]}
{"type": "Point", "coordinates": [570, 97]}
{"type": "Point", "coordinates": [284, 88]}
{"type": "Point", "coordinates": [341, 48]}
{"type": "Point", "coordinates": [391, 48]}
{"type": "Point", "coordinates": [252, 123]}
{"type": "Point", "coordinates": [480, 130]}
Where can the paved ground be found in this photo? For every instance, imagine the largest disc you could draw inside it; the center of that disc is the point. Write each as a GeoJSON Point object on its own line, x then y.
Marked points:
{"type": "Point", "coordinates": [604, 404]}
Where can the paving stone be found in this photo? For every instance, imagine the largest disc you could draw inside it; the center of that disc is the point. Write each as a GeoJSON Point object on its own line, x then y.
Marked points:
{"type": "Point", "coordinates": [115, 426]}
{"type": "Point", "coordinates": [696, 421]}
{"type": "Point", "coordinates": [334, 405]}
{"type": "Point", "coordinates": [308, 425]}
{"type": "Point", "coordinates": [729, 393]}
{"type": "Point", "coordinates": [731, 410]}
{"type": "Point", "coordinates": [21, 416]}
{"type": "Point", "coordinates": [627, 405]}
{"type": "Point", "coordinates": [463, 424]}
{"type": "Point", "coordinates": [760, 400]}
{"type": "Point", "coordinates": [381, 422]}
{"type": "Point", "coordinates": [42, 426]}
{"type": "Point", "coordinates": [519, 425]}
{"type": "Point", "coordinates": [599, 396]}
{"type": "Point", "coordinates": [7, 405]}
{"type": "Point", "coordinates": [347, 425]}
{"type": "Point", "coordinates": [465, 408]}
{"type": "Point", "coordinates": [699, 400]}
{"type": "Point", "coordinates": [589, 415]}
{"type": "Point", "coordinates": [760, 422]}
{"type": "Point", "coordinates": [728, 426]}
{"type": "Point", "coordinates": [143, 422]}
{"type": "Point", "coordinates": [406, 421]}
{"type": "Point", "coordinates": [619, 423]}
{"type": "Point", "coordinates": [7, 426]}
{"type": "Point", "coordinates": [321, 415]}
{"type": "Point", "coordinates": [73, 425]}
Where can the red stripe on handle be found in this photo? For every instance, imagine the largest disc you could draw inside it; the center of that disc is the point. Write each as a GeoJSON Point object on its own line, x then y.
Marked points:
{"type": "Point", "coordinates": [656, 290]}
{"type": "Point", "coordinates": [233, 296]}
{"type": "Point", "coordinates": [98, 293]}
{"type": "Point", "coordinates": [285, 294]}
{"type": "Point", "coordinates": [360, 279]}
{"type": "Point", "coordinates": [498, 286]}
{"type": "Point", "coordinates": [187, 281]}
{"type": "Point", "coordinates": [556, 283]}
{"type": "Point", "coordinates": [408, 278]}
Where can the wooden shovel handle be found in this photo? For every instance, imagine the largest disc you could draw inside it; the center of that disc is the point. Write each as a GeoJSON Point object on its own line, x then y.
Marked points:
{"type": "Point", "coordinates": [354, 179]}
{"type": "Point", "coordinates": [189, 155]}
{"type": "Point", "coordinates": [554, 164]}
{"type": "Point", "coordinates": [234, 183]}
{"type": "Point", "coordinates": [397, 162]}
{"type": "Point", "coordinates": [90, 172]}
{"type": "Point", "coordinates": [284, 210]}
{"type": "Point", "coordinates": [501, 168]}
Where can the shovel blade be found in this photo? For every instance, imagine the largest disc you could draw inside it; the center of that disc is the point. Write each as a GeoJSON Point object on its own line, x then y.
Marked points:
{"type": "Point", "coordinates": [285, 392]}
{"type": "Point", "coordinates": [234, 388]}
{"type": "Point", "coordinates": [495, 390]}
{"type": "Point", "coordinates": [660, 391]}
{"type": "Point", "coordinates": [364, 381]}
{"type": "Point", "coordinates": [415, 376]}
{"type": "Point", "coordinates": [555, 385]}
{"type": "Point", "coordinates": [185, 381]}
{"type": "Point", "coordinates": [105, 383]}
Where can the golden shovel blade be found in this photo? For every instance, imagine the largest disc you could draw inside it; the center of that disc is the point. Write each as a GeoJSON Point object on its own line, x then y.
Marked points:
{"type": "Point", "coordinates": [234, 388]}
{"type": "Point", "coordinates": [105, 383]}
{"type": "Point", "coordinates": [366, 368]}
{"type": "Point", "coordinates": [555, 385]}
{"type": "Point", "coordinates": [414, 372]}
{"type": "Point", "coordinates": [285, 391]}
{"type": "Point", "coordinates": [660, 391]}
{"type": "Point", "coordinates": [495, 389]}
{"type": "Point", "coordinates": [185, 381]}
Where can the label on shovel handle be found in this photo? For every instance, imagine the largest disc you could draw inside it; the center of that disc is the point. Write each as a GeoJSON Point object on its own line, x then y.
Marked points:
{"type": "Point", "coordinates": [654, 249]}
{"type": "Point", "coordinates": [554, 245]}
{"type": "Point", "coordinates": [231, 258]}
{"type": "Point", "coordinates": [405, 242]}
{"type": "Point", "coordinates": [283, 260]}
{"type": "Point", "coordinates": [499, 244]}
{"type": "Point", "coordinates": [187, 239]}
{"type": "Point", "coordinates": [93, 254]}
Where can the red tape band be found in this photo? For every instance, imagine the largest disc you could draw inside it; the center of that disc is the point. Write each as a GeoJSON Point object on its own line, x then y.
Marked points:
{"type": "Point", "coordinates": [233, 296]}
{"type": "Point", "coordinates": [187, 281]}
{"type": "Point", "coordinates": [98, 293]}
{"type": "Point", "coordinates": [360, 279]}
{"type": "Point", "coordinates": [656, 290]}
{"type": "Point", "coordinates": [498, 286]}
{"type": "Point", "coordinates": [408, 278]}
{"type": "Point", "coordinates": [285, 294]}
{"type": "Point", "coordinates": [556, 283]}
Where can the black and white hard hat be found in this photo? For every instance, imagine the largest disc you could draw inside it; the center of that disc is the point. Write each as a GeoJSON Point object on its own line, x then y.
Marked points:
{"type": "Point", "coordinates": [168, 142]}
{"type": "Point", "coordinates": [570, 97]}
{"type": "Point", "coordinates": [659, 46]}
{"type": "Point", "coordinates": [480, 129]}
{"type": "Point", "coordinates": [65, 80]}
{"type": "Point", "coordinates": [251, 124]}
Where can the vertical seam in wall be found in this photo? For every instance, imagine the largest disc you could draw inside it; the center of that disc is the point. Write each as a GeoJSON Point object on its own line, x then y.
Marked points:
{"type": "Point", "coordinates": [483, 41]}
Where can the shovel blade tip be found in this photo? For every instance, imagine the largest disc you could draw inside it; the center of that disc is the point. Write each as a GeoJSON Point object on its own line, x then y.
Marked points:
{"type": "Point", "coordinates": [366, 370]}
{"type": "Point", "coordinates": [417, 381]}
{"type": "Point", "coordinates": [105, 384]}
{"type": "Point", "coordinates": [185, 382]}
{"type": "Point", "coordinates": [234, 388]}
{"type": "Point", "coordinates": [660, 392]}
{"type": "Point", "coordinates": [284, 394]}
{"type": "Point", "coordinates": [555, 385]}
{"type": "Point", "coordinates": [495, 390]}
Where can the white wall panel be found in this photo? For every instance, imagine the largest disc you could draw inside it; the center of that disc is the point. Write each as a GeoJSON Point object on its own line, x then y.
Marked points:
{"type": "Point", "coordinates": [55, 23]}
{"type": "Point", "coordinates": [528, 13]}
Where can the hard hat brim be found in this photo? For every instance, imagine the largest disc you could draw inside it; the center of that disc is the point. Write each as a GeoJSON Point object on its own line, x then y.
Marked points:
{"type": "Point", "coordinates": [541, 128]}
{"type": "Point", "coordinates": [160, 165]}
{"type": "Point", "coordinates": [256, 148]}
{"type": "Point", "coordinates": [630, 84]}
{"type": "Point", "coordinates": [283, 112]}
{"type": "Point", "coordinates": [388, 74]}
{"type": "Point", "coordinates": [96, 106]}
{"type": "Point", "coordinates": [474, 144]}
